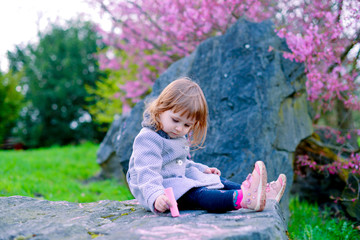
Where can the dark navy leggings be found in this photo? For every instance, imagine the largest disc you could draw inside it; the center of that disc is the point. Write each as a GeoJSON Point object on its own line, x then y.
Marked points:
{"type": "Point", "coordinates": [212, 200]}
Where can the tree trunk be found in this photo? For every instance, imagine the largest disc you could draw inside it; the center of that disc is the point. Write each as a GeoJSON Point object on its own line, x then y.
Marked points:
{"type": "Point", "coordinates": [344, 117]}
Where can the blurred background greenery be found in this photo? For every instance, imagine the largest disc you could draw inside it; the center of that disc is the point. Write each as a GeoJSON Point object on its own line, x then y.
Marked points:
{"type": "Point", "coordinates": [46, 95]}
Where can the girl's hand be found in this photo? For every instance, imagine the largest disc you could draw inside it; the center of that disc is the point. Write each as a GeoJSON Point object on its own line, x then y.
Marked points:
{"type": "Point", "coordinates": [212, 171]}
{"type": "Point", "coordinates": [162, 203]}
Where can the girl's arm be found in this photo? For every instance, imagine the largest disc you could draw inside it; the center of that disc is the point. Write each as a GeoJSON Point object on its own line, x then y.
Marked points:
{"type": "Point", "coordinates": [148, 161]}
{"type": "Point", "coordinates": [203, 168]}
{"type": "Point", "coordinates": [199, 166]}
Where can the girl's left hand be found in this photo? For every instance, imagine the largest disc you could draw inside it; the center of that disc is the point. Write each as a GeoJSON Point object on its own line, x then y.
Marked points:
{"type": "Point", "coordinates": [212, 171]}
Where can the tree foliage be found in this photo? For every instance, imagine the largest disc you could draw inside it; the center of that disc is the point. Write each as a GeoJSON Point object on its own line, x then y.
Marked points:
{"type": "Point", "coordinates": [56, 71]}
{"type": "Point", "coordinates": [10, 102]}
{"type": "Point", "coordinates": [108, 102]}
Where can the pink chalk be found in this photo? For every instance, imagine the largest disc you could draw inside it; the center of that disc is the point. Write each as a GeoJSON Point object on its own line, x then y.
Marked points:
{"type": "Point", "coordinates": [174, 209]}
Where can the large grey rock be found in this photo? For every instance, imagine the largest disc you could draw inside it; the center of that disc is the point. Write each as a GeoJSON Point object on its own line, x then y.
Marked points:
{"type": "Point", "coordinates": [257, 104]}
{"type": "Point", "coordinates": [29, 218]}
{"type": "Point", "coordinates": [106, 155]}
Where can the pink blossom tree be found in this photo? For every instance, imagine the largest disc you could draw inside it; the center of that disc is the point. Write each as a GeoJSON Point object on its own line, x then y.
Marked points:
{"type": "Point", "coordinates": [323, 34]}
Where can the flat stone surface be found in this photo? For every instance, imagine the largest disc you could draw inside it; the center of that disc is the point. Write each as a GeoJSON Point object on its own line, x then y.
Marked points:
{"type": "Point", "coordinates": [30, 218]}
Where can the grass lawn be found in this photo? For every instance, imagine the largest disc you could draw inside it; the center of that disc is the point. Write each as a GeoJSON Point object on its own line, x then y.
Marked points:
{"type": "Point", "coordinates": [309, 223]}
{"type": "Point", "coordinates": [58, 174]}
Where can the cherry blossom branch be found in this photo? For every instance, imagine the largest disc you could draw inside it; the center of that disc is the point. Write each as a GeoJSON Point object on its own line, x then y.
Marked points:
{"type": "Point", "coordinates": [173, 42]}
{"type": "Point", "coordinates": [156, 46]}
{"type": "Point", "coordinates": [346, 51]}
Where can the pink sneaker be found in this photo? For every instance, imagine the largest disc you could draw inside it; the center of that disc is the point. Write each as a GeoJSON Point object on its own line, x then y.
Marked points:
{"type": "Point", "coordinates": [275, 190]}
{"type": "Point", "coordinates": [253, 188]}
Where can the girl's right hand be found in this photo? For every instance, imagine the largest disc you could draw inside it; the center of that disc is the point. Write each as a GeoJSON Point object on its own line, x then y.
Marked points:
{"type": "Point", "coordinates": [162, 203]}
{"type": "Point", "coordinates": [212, 171]}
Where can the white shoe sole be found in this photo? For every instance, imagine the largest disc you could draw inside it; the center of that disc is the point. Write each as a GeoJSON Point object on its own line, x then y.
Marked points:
{"type": "Point", "coordinates": [261, 197]}
{"type": "Point", "coordinates": [282, 190]}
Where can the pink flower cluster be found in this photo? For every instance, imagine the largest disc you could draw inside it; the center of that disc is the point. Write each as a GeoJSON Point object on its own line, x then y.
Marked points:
{"type": "Point", "coordinates": [333, 136]}
{"type": "Point", "coordinates": [319, 38]}
{"type": "Point", "coordinates": [351, 164]}
{"type": "Point", "coordinates": [340, 136]}
{"type": "Point", "coordinates": [339, 164]}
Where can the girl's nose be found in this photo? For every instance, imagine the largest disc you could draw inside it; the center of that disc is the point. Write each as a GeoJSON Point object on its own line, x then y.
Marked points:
{"type": "Point", "coordinates": [178, 128]}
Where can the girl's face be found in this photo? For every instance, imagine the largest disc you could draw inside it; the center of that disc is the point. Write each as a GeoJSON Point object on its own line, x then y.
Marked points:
{"type": "Point", "coordinates": [174, 124]}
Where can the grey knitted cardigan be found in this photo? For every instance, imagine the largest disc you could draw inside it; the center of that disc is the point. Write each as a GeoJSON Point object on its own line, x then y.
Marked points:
{"type": "Point", "coordinates": [158, 162]}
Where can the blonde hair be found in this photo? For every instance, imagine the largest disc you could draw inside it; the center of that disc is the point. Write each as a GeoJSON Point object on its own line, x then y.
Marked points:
{"type": "Point", "coordinates": [184, 96]}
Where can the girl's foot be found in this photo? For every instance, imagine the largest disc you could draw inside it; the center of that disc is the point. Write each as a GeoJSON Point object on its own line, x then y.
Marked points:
{"type": "Point", "coordinates": [275, 190]}
{"type": "Point", "coordinates": [253, 188]}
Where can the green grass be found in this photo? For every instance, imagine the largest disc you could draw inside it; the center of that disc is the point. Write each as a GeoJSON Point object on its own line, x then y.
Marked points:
{"type": "Point", "coordinates": [309, 223]}
{"type": "Point", "coordinates": [57, 174]}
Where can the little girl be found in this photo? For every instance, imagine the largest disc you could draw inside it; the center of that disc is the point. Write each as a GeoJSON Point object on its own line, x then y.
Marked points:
{"type": "Point", "coordinates": [174, 122]}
